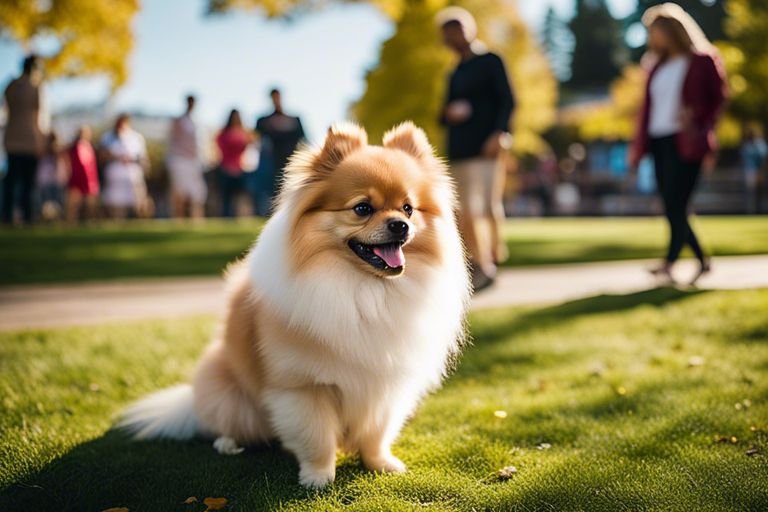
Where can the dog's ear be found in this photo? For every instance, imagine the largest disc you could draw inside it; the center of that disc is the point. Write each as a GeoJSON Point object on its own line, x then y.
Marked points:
{"type": "Point", "coordinates": [409, 138]}
{"type": "Point", "coordinates": [341, 140]}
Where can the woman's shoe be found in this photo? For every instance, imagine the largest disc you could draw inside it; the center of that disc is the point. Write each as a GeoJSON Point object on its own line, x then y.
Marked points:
{"type": "Point", "coordinates": [481, 280]}
{"type": "Point", "coordinates": [704, 268]}
{"type": "Point", "coordinates": [664, 274]}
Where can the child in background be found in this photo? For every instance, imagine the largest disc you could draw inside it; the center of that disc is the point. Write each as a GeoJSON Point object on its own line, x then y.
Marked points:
{"type": "Point", "coordinates": [52, 174]}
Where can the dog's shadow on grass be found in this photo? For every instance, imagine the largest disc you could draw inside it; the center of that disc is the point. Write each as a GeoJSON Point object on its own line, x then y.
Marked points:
{"type": "Point", "coordinates": [113, 471]}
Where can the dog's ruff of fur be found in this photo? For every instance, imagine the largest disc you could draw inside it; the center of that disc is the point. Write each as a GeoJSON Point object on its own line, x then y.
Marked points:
{"type": "Point", "coordinates": [323, 352]}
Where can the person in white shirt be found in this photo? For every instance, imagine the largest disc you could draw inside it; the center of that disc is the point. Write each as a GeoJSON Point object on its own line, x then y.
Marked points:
{"type": "Point", "coordinates": [684, 98]}
{"type": "Point", "coordinates": [188, 189]}
{"type": "Point", "coordinates": [125, 153]}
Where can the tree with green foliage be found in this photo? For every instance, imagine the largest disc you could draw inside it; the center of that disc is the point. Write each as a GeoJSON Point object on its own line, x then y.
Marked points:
{"type": "Point", "coordinates": [557, 41]}
{"type": "Point", "coordinates": [599, 51]}
{"type": "Point", "coordinates": [746, 58]}
{"type": "Point", "coordinates": [92, 36]}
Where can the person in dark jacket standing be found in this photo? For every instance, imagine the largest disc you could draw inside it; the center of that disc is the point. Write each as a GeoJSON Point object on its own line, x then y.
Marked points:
{"type": "Point", "coordinates": [280, 135]}
{"type": "Point", "coordinates": [24, 138]}
{"type": "Point", "coordinates": [684, 97]}
{"type": "Point", "coordinates": [477, 114]}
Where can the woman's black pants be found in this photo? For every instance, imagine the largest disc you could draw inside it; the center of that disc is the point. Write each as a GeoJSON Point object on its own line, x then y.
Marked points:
{"type": "Point", "coordinates": [675, 181]}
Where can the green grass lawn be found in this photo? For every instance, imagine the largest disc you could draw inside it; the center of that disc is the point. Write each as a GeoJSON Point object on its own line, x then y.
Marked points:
{"type": "Point", "coordinates": [166, 248]}
{"type": "Point", "coordinates": [648, 401]}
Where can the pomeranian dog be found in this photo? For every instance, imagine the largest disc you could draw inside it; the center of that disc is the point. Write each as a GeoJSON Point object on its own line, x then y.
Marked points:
{"type": "Point", "coordinates": [347, 311]}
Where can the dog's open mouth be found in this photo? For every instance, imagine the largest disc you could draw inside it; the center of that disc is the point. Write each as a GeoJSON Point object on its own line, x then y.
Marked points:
{"type": "Point", "coordinates": [388, 257]}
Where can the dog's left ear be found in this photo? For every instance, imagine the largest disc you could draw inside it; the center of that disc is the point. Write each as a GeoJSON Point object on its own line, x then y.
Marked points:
{"type": "Point", "coordinates": [409, 138]}
{"type": "Point", "coordinates": [341, 140]}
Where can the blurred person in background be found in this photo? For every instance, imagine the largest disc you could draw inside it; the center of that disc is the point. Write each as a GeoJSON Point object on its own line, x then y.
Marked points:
{"type": "Point", "coordinates": [232, 142]}
{"type": "Point", "coordinates": [185, 167]}
{"type": "Point", "coordinates": [124, 153]}
{"type": "Point", "coordinates": [83, 186]}
{"type": "Point", "coordinates": [52, 176]}
{"type": "Point", "coordinates": [280, 135]}
{"type": "Point", "coordinates": [477, 113]}
{"type": "Point", "coordinates": [24, 140]}
{"type": "Point", "coordinates": [754, 151]}
{"type": "Point", "coordinates": [684, 97]}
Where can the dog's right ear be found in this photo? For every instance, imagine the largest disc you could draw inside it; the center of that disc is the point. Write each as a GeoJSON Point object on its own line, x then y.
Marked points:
{"type": "Point", "coordinates": [341, 140]}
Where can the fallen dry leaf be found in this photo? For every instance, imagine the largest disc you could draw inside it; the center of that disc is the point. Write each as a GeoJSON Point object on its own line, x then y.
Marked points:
{"type": "Point", "coordinates": [500, 414]}
{"type": "Point", "coordinates": [189, 500]}
{"type": "Point", "coordinates": [215, 503]}
{"type": "Point", "coordinates": [543, 446]}
{"type": "Point", "coordinates": [506, 472]}
{"type": "Point", "coordinates": [752, 452]}
{"type": "Point", "coordinates": [116, 509]}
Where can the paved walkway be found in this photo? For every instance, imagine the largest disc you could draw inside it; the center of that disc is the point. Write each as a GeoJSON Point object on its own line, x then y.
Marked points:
{"type": "Point", "coordinates": [95, 303]}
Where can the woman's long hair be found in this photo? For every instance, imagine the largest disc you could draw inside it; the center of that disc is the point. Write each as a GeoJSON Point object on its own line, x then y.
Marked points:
{"type": "Point", "coordinates": [122, 119]}
{"type": "Point", "coordinates": [680, 26]}
{"type": "Point", "coordinates": [234, 120]}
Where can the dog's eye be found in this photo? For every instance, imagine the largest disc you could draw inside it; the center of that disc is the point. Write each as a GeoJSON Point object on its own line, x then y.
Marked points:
{"type": "Point", "coordinates": [363, 209]}
{"type": "Point", "coordinates": [408, 209]}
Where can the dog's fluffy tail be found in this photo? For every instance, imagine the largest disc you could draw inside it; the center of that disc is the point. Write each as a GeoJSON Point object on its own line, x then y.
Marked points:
{"type": "Point", "coordinates": [167, 414]}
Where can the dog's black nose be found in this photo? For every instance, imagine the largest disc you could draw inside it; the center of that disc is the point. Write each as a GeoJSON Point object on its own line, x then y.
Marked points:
{"type": "Point", "coordinates": [398, 227]}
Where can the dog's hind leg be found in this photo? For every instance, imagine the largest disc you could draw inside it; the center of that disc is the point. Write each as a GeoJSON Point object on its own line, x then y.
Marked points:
{"type": "Point", "coordinates": [224, 409]}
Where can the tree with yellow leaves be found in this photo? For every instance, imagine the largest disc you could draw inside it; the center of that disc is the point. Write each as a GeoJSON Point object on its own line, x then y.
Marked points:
{"type": "Point", "coordinates": [91, 36]}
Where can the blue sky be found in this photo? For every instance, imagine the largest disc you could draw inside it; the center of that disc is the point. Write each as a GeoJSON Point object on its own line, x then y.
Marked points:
{"type": "Point", "coordinates": [318, 60]}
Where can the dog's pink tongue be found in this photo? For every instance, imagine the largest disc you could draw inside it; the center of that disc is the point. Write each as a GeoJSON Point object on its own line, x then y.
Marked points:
{"type": "Point", "coordinates": [391, 254]}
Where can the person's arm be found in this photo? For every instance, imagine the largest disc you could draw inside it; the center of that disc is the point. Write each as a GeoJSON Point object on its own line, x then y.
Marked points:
{"type": "Point", "coordinates": [103, 150]}
{"type": "Point", "coordinates": [713, 78]}
{"type": "Point", "coordinates": [143, 157]}
{"type": "Point", "coordinates": [505, 99]}
{"type": "Point", "coordinates": [43, 112]}
{"type": "Point", "coordinates": [499, 139]}
{"type": "Point", "coordinates": [443, 119]}
{"type": "Point", "coordinates": [639, 144]}
{"type": "Point", "coordinates": [301, 136]}
{"type": "Point", "coordinates": [173, 133]}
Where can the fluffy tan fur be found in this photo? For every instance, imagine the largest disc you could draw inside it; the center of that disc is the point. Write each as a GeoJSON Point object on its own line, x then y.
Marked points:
{"type": "Point", "coordinates": [318, 348]}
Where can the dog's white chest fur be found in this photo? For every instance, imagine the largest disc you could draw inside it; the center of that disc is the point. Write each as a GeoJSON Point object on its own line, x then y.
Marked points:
{"type": "Point", "coordinates": [400, 328]}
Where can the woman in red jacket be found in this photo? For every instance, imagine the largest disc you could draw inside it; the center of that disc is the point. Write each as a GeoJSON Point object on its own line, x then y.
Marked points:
{"type": "Point", "coordinates": [684, 96]}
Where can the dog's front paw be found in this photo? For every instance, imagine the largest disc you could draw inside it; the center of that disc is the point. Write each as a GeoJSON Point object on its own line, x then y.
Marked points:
{"type": "Point", "coordinates": [385, 464]}
{"type": "Point", "coordinates": [313, 477]}
{"type": "Point", "coordinates": [227, 446]}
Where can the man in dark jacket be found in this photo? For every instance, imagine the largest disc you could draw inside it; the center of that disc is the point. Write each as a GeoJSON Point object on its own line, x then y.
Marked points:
{"type": "Point", "coordinates": [477, 114]}
{"type": "Point", "coordinates": [23, 139]}
{"type": "Point", "coordinates": [280, 134]}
